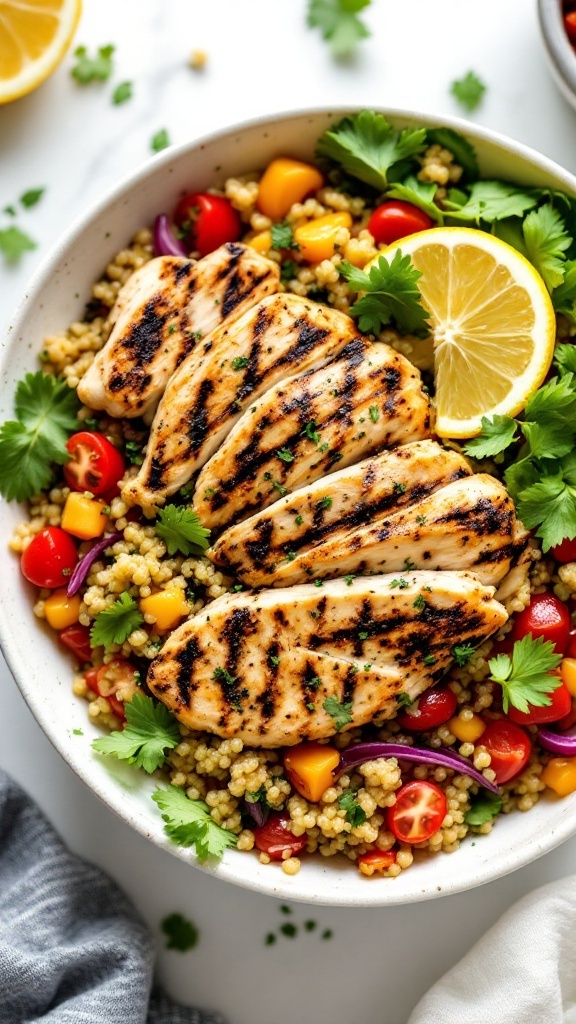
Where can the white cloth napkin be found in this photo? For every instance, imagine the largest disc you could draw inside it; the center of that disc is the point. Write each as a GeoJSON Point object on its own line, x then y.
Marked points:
{"type": "Point", "coordinates": [523, 971]}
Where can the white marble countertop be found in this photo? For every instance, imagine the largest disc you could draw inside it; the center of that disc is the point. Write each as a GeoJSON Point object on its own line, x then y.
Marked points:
{"type": "Point", "coordinates": [261, 58]}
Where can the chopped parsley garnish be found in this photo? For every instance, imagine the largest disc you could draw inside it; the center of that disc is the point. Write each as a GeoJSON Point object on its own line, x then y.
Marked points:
{"type": "Point", "coordinates": [391, 295]}
{"type": "Point", "coordinates": [313, 683]}
{"type": "Point", "coordinates": [429, 659]}
{"type": "Point", "coordinates": [274, 660]}
{"type": "Point", "coordinates": [318, 583]}
{"type": "Point", "coordinates": [240, 362]}
{"type": "Point", "coordinates": [93, 69]}
{"type": "Point", "coordinates": [46, 410]}
{"type": "Point", "coordinates": [122, 93]}
{"type": "Point", "coordinates": [289, 930]}
{"type": "Point", "coordinates": [31, 197]}
{"type": "Point", "coordinates": [309, 926]}
{"type": "Point", "coordinates": [270, 939]}
{"type": "Point", "coordinates": [325, 503]}
{"type": "Point", "coordinates": [311, 431]}
{"type": "Point", "coordinates": [115, 624]}
{"type": "Point", "coordinates": [399, 488]}
{"type": "Point", "coordinates": [189, 823]}
{"type": "Point", "coordinates": [367, 147]}
{"type": "Point", "coordinates": [339, 712]}
{"type": "Point", "coordinates": [408, 565]}
{"type": "Point", "coordinates": [298, 521]}
{"type": "Point", "coordinates": [339, 23]}
{"type": "Point", "coordinates": [181, 530]}
{"type": "Point", "coordinates": [14, 243]}
{"type": "Point", "coordinates": [349, 579]}
{"type": "Point", "coordinates": [134, 453]}
{"type": "Point", "coordinates": [355, 815]}
{"type": "Point", "coordinates": [160, 141]}
{"type": "Point", "coordinates": [282, 237]}
{"type": "Point", "coordinates": [285, 455]}
{"type": "Point", "coordinates": [468, 90]}
{"type": "Point", "coordinates": [288, 271]}
{"type": "Point", "coordinates": [526, 677]}
{"type": "Point", "coordinates": [419, 603]}
{"type": "Point", "coordinates": [485, 807]}
{"type": "Point", "coordinates": [421, 520]}
{"type": "Point", "coordinates": [374, 412]}
{"type": "Point", "coordinates": [280, 488]}
{"type": "Point", "coordinates": [363, 635]}
{"type": "Point", "coordinates": [401, 583]}
{"type": "Point", "coordinates": [462, 654]}
{"type": "Point", "coordinates": [367, 667]}
{"type": "Point", "coordinates": [404, 699]}
{"type": "Point", "coordinates": [181, 934]}
{"type": "Point", "coordinates": [290, 555]}
{"type": "Point", "coordinates": [150, 731]}
{"type": "Point", "coordinates": [222, 675]}
{"type": "Point", "coordinates": [327, 934]}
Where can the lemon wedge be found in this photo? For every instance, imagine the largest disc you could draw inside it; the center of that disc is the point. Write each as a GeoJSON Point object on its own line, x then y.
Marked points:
{"type": "Point", "coordinates": [492, 321]}
{"type": "Point", "coordinates": [34, 36]}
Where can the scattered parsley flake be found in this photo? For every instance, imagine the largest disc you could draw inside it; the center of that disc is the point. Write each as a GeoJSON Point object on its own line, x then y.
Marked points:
{"type": "Point", "coordinates": [285, 909]}
{"type": "Point", "coordinates": [298, 521]}
{"type": "Point", "coordinates": [419, 603]}
{"type": "Point", "coordinates": [181, 530]}
{"type": "Point", "coordinates": [374, 413]}
{"type": "Point", "coordinates": [399, 488]}
{"type": "Point", "coordinates": [31, 197]}
{"type": "Point", "coordinates": [468, 90]}
{"type": "Point", "coordinates": [160, 141]}
{"type": "Point", "coordinates": [339, 712]}
{"type": "Point", "coordinates": [327, 934]}
{"type": "Point", "coordinates": [122, 93]}
{"type": "Point", "coordinates": [311, 431]}
{"type": "Point", "coordinates": [14, 243]}
{"type": "Point", "coordinates": [318, 583]}
{"type": "Point", "coordinates": [181, 934]}
{"type": "Point", "coordinates": [77, 732]}
{"type": "Point", "coordinates": [274, 660]}
{"type": "Point", "coordinates": [309, 926]}
{"type": "Point", "coordinates": [240, 362]}
{"type": "Point", "coordinates": [408, 565]}
{"type": "Point", "coordinates": [222, 675]}
{"type": "Point", "coordinates": [282, 237]}
{"type": "Point", "coordinates": [150, 731]}
{"type": "Point", "coordinates": [421, 520]}
{"type": "Point", "coordinates": [355, 815]}
{"type": "Point", "coordinates": [285, 455]}
{"type": "Point", "coordinates": [349, 579]}
{"type": "Point", "coordinates": [288, 270]}
{"type": "Point", "coordinates": [525, 677]}
{"type": "Point", "coordinates": [280, 488]}
{"type": "Point", "coordinates": [9, 211]}
{"type": "Point", "coordinates": [462, 654]}
{"type": "Point", "coordinates": [270, 939]}
{"type": "Point", "coordinates": [429, 659]}
{"type": "Point", "coordinates": [367, 667]}
{"type": "Point", "coordinates": [289, 930]}
{"type": "Point", "coordinates": [363, 636]}
{"type": "Point", "coordinates": [367, 147]}
{"type": "Point", "coordinates": [314, 683]}
{"type": "Point", "coordinates": [325, 503]}
{"type": "Point", "coordinates": [339, 23]}
{"type": "Point", "coordinates": [93, 69]}
{"type": "Point", "coordinates": [404, 699]}
{"type": "Point", "coordinates": [391, 295]}
{"type": "Point", "coordinates": [115, 624]}
{"type": "Point", "coordinates": [401, 583]}
{"type": "Point", "coordinates": [189, 823]}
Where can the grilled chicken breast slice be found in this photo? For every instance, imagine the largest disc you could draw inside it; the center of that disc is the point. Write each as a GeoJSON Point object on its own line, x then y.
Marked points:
{"type": "Point", "coordinates": [281, 336]}
{"type": "Point", "coordinates": [368, 398]}
{"type": "Point", "coordinates": [261, 666]}
{"type": "Point", "coordinates": [159, 316]}
{"type": "Point", "coordinates": [274, 547]}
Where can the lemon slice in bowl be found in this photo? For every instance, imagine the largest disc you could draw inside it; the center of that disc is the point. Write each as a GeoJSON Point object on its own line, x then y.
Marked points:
{"type": "Point", "coordinates": [34, 36]}
{"type": "Point", "coordinates": [492, 322]}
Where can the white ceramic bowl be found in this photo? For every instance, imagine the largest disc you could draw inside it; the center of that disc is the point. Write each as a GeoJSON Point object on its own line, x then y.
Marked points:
{"type": "Point", "coordinates": [560, 54]}
{"type": "Point", "coordinates": [56, 297]}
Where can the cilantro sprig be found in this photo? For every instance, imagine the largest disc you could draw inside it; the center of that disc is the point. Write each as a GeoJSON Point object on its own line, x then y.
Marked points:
{"type": "Point", "coordinates": [484, 807]}
{"type": "Point", "coordinates": [188, 823]}
{"type": "Point", "coordinates": [391, 295]}
{"type": "Point", "coordinates": [115, 624]}
{"type": "Point", "coordinates": [339, 23]}
{"type": "Point", "coordinates": [339, 712]}
{"type": "Point", "coordinates": [367, 147]}
{"type": "Point", "coordinates": [93, 69]}
{"type": "Point", "coordinates": [355, 814]}
{"type": "Point", "coordinates": [526, 677]}
{"type": "Point", "coordinates": [282, 237]}
{"type": "Point", "coordinates": [150, 731]}
{"type": "Point", "coordinates": [181, 530]}
{"type": "Point", "coordinates": [468, 90]}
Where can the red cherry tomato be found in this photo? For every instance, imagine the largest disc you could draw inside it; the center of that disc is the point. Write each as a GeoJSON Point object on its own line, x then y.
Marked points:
{"type": "Point", "coordinates": [96, 465]}
{"type": "Point", "coordinates": [564, 552]}
{"type": "Point", "coordinates": [418, 813]}
{"type": "Point", "coordinates": [275, 837]}
{"type": "Point", "coordinates": [545, 616]}
{"type": "Point", "coordinates": [377, 860]}
{"type": "Point", "coordinates": [568, 721]}
{"type": "Point", "coordinates": [395, 219]}
{"type": "Point", "coordinates": [560, 707]}
{"type": "Point", "coordinates": [570, 26]}
{"type": "Point", "coordinates": [571, 648]}
{"type": "Point", "coordinates": [509, 748]}
{"type": "Point", "coordinates": [435, 707]}
{"type": "Point", "coordinates": [207, 221]}
{"type": "Point", "coordinates": [107, 679]}
{"type": "Point", "coordinates": [49, 558]}
{"type": "Point", "coordinates": [77, 639]}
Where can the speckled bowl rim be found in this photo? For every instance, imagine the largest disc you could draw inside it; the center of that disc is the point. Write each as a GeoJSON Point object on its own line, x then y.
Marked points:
{"type": "Point", "coordinates": [511, 845]}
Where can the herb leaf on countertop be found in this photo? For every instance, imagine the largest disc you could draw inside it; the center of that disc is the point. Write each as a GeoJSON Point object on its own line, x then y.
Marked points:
{"type": "Point", "coordinates": [181, 933]}
{"type": "Point", "coordinates": [339, 23]}
{"type": "Point", "coordinates": [93, 69]}
{"type": "Point", "coordinates": [468, 90]}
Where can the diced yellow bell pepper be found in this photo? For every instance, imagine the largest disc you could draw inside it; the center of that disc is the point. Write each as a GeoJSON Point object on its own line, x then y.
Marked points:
{"type": "Point", "coordinates": [167, 606]}
{"type": "Point", "coordinates": [317, 238]}
{"type": "Point", "coordinates": [262, 242]}
{"type": "Point", "coordinates": [568, 672]}
{"type": "Point", "coordinates": [560, 775]}
{"type": "Point", "coordinates": [61, 610]}
{"type": "Point", "coordinates": [284, 183]}
{"type": "Point", "coordinates": [84, 516]}
{"type": "Point", "coordinates": [467, 730]}
{"type": "Point", "coordinates": [310, 768]}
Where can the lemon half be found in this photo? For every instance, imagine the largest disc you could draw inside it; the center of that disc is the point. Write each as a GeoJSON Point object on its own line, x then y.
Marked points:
{"type": "Point", "coordinates": [34, 36]}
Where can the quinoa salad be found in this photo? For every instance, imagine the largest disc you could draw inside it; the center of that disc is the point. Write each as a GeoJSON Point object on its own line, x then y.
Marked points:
{"type": "Point", "coordinates": [352, 633]}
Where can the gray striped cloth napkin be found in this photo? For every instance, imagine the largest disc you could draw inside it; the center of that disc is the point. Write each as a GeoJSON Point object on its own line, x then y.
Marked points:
{"type": "Point", "coordinates": [72, 948]}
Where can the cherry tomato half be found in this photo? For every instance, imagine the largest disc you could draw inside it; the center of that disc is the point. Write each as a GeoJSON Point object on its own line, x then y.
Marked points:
{"type": "Point", "coordinates": [570, 26]}
{"type": "Point", "coordinates": [546, 616]}
{"type": "Point", "coordinates": [376, 860]}
{"type": "Point", "coordinates": [49, 558]}
{"type": "Point", "coordinates": [395, 219]}
{"type": "Point", "coordinates": [108, 679]}
{"type": "Point", "coordinates": [418, 813]}
{"type": "Point", "coordinates": [207, 221]}
{"type": "Point", "coordinates": [509, 748]}
{"type": "Point", "coordinates": [564, 552]}
{"type": "Point", "coordinates": [571, 648]}
{"type": "Point", "coordinates": [96, 465]}
{"type": "Point", "coordinates": [275, 837]}
{"type": "Point", "coordinates": [77, 639]}
{"type": "Point", "coordinates": [560, 707]}
{"type": "Point", "coordinates": [435, 707]}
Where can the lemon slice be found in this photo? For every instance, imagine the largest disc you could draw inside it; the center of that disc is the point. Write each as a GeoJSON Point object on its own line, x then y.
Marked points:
{"type": "Point", "coordinates": [493, 324]}
{"type": "Point", "coordinates": [34, 36]}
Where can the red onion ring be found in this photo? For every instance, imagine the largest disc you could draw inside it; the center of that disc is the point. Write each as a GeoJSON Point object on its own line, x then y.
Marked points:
{"type": "Point", "coordinates": [165, 244]}
{"type": "Point", "coordinates": [563, 743]}
{"type": "Point", "coordinates": [83, 566]}
{"type": "Point", "coordinates": [361, 752]}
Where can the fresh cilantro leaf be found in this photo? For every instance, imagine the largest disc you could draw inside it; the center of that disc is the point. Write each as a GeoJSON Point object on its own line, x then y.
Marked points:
{"type": "Point", "coordinates": [429, 659]}
{"type": "Point", "coordinates": [546, 241]}
{"type": "Point", "coordinates": [565, 359]}
{"type": "Point", "coordinates": [418, 193]}
{"type": "Point", "coordinates": [550, 505]}
{"type": "Point", "coordinates": [463, 152]}
{"type": "Point", "coordinates": [492, 200]}
{"type": "Point", "coordinates": [288, 270]}
{"type": "Point", "coordinates": [240, 362]}
{"type": "Point", "coordinates": [526, 677]}
{"type": "Point", "coordinates": [150, 731]}
{"type": "Point", "coordinates": [31, 197]}
{"type": "Point", "coordinates": [392, 294]}
{"type": "Point", "coordinates": [484, 808]}
{"type": "Point", "coordinates": [519, 475]}
{"type": "Point", "coordinates": [122, 93]}
{"type": "Point", "coordinates": [339, 23]}
{"type": "Point", "coordinates": [92, 69]}
{"type": "Point", "coordinates": [468, 90]}
{"type": "Point", "coordinates": [564, 295]}
{"type": "Point", "coordinates": [554, 401]}
{"type": "Point", "coordinates": [181, 934]}
{"type": "Point", "coordinates": [14, 243]}
{"type": "Point", "coordinates": [498, 433]}
{"type": "Point", "coordinates": [222, 675]}
{"type": "Point", "coordinates": [325, 503]}
{"type": "Point", "coordinates": [134, 453]}
{"type": "Point", "coordinates": [547, 440]}
{"type": "Point", "coordinates": [419, 603]}
{"type": "Point", "coordinates": [47, 414]}
{"type": "Point", "coordinates": [355, 814]}
{"type": "Point", "coordinates": [462, 654]}
{"type": "Point", "coordinates": [160, 141]}
{"type": "Point", "coordinates": [367, 147]}
{"type": "Point", "coordinates": [404, 699]}
{"type": "Point", "coordinates": [188, 823]}
{"type": "Point", "coordinates": [339, 712]}
{"type": "Point", "coordinates": [282, 237]}
{"type": "Point", "coordinates": [311, 431]}
{"type": "Point", "coordinates": [181, 530]}
{"type": "Point", "coordinates": [114, 624]}
{"type": "Point", "coordinates": [284, 455]}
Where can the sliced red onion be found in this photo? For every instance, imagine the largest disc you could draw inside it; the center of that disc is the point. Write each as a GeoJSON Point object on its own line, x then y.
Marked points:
{"type": "Point", "coordinates": [563, 743]}
{"type": "Point", "coordinates": [165, 244]}
{"type": "Point", "coordinates": [82, 569]}
{"type": "Point", "coordinates": [258, 811]}
{"type": "Point", "coordinates": [362, 752]}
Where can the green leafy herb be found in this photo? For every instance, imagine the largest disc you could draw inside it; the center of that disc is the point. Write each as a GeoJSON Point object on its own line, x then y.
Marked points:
{"type": "Point", "coordinates": [298, 521]}
{"type": "Point", "coordinates": [489, 201]}
{"type": "Point", "coordinates": [122, 93]}
{"type": "Point", "coordinates": [418, 193]}
{"type": "Point", "coordinates": [564, 296]}
{"type": "Point", "coordinates": [222, 675]}
{"type": "Point", "coordinates": [462, 654]}
{"type": "Point", "coordinates": [468, 90]}
{"type": "Point", "coordinates": [288, 270]}
{"type": "Point", "coordinates": [546, 241]}
{"type": "Point", "coordinates": [285, 455]}
{"type": "Point", "coordinates": [9, 211]}
{"type": "Point", "coordinates": [78, 732]}
{"type": "Point", "coordinates": [464, 153]}
{"type": "Point", "coordinates": [565, 359]}
{"type": "Point", "coordinates": [485, 807]}
{"type": "Point", "coordinates": [92, 69]}
{"type": "Point", "coordinates": [404, 699]}
{"type": "Point", "coordinates": [429, 659]}
{"type": "Point", "coordinates": [134, 453]}
{"type": "Point", "coordinates": [374, 413]}
{"type": "Point", "coordinates": [181, 934]}
{"type": "Point", "coordinates": [325, 502]}
{"type": "Point", "coordinates": [114, 624]}
{"type": "Point", "coordinates": [550, 505]}
{"type": "Point", "coordinates": [160, 141]}
{"type": "Point", "coordinates": [419, 603]}
{"type": "Point", "coordinates": [188, 823]}
{"type": "Point", "coordinates": [339, 712]}
{"type": "Point", "coordinates": [392, 294]}
{"type": "Point", "coordinates": [355, 815]}
{"type": "Point", "coordinates": [339, 23]}
{"type": "Point", "coordinates": [280, 488]}
{"type": "Point", "coordinates": [311, 431]}
{"type": "Point", "coordinates": [421, 520]}
{"type": "Point", "coordinates": [367, 147]}
{"type": "Point", "coordinates": [498, 433]}
{"type": "Point", "coordinates": [46, 410]}
{"type": "Point", "coordinates": [14, 243]}
{"type": "Point", "coordinates": [349, 579]}
{"type": "Point", "coordinates": [181, 530]}
{"type": "Point", "coordinates": [150, 731]}
{"type": "Point", "coordinates": [31, 197]}
{"type": "Point", "coordinates": [525, 677]}
{"type": "Point", "coordinates": [282, 237]}
{"type": "Point", "coordinates": [240, 362]}
{"type": "Point", "coordinates": [401, 583]}
{"type": "Point", "coordinates": [289, 930]}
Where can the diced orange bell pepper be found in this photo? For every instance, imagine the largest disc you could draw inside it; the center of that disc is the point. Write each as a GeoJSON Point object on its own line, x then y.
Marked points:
{"type": "Point", "coordinates": [84, 516]}
{"type": "Point", "coordinates": [467, 730]}
{"type": "Point", "coordinates": [310, 768]}
{"type": "Point", "coordinates": [317, 238]}
{"type": "Point", "coordinates": [568, 672]}
{"type": "Point", "coordinates": [60, 610]}
{"type": "Point", "coordinates": [560, 775]}
{"type": "Point", "coordinates": [284, 183]}
{"type": "Point", "coordinates": [262, 242]}
{"type": "Point", "coordinates": [168, 607]}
